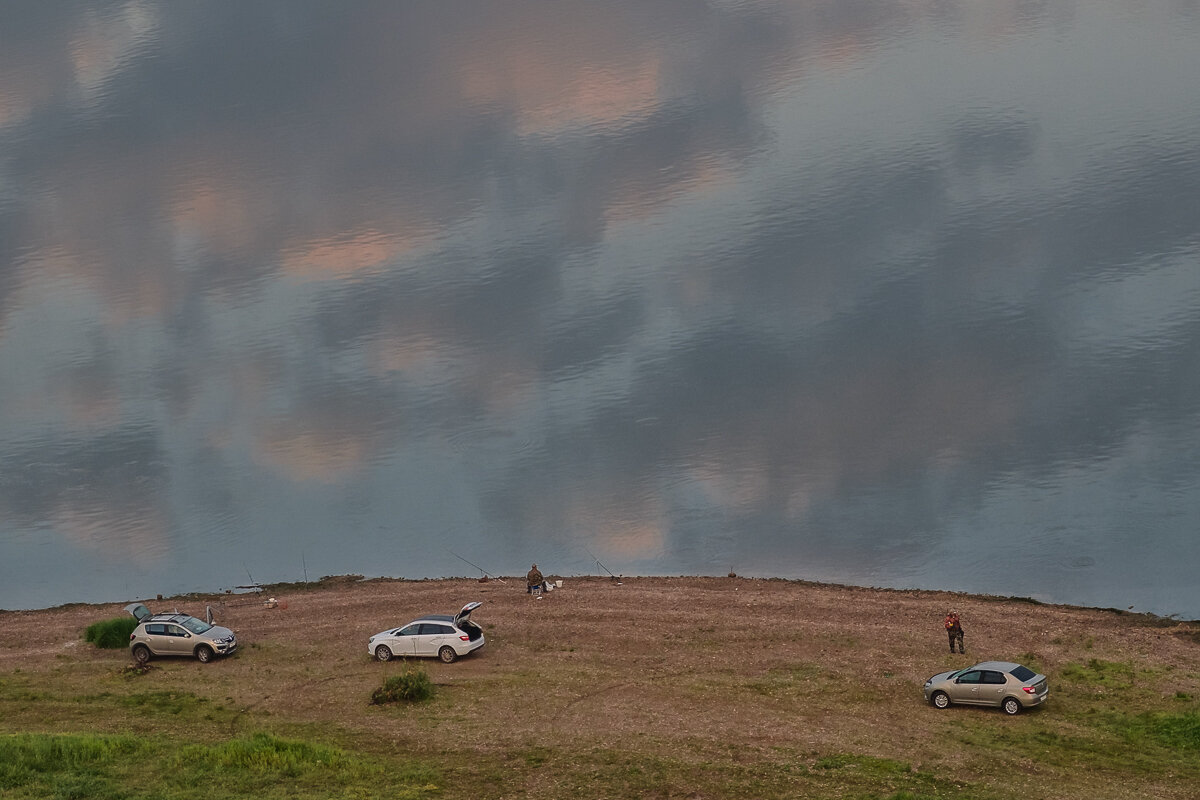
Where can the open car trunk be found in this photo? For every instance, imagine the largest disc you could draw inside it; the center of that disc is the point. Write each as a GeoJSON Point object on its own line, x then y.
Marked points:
{"type": "Point", "coordinates": [138, 611]}
{"type": "Point", "coordinates": [463, 620]}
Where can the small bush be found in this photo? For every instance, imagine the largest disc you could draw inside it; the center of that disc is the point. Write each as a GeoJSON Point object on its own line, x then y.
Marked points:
{"type": "Point", "coordinates": [411, 686]}
{"type": "Point", "coordinates": [111, 634]}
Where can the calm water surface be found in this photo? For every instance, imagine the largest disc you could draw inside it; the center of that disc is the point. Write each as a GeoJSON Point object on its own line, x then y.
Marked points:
{"type": "Point", "coordinates": [890, 293]}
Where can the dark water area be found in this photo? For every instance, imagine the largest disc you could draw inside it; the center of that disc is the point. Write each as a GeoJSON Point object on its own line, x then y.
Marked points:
{"type": "Point", "coordinates": [899, 294]}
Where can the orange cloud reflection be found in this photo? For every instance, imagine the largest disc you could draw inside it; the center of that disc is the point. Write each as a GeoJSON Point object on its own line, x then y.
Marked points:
{"type": "Point", "coordinates": [344, 254]}
{"type": "Point", "coordinates": [139, 538]}
{"type": "Point", "coordinates": [547, 95]}
{"type": "Point", "coordinates": [326, 455]}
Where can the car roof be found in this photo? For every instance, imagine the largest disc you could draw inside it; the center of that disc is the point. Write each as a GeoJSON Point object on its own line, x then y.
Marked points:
{"type": "Point", "coordinates": [1002, 666]}
{"type": "Point", "coordinates": [166, 617]}
{"type": "Point", "coordinates": [453, 619]}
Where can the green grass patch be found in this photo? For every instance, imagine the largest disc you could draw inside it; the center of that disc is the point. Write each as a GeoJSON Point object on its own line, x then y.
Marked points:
{"type": "Point", "coordinates": [1107, 674]}
{"type": "Point", "coordinates": [1180, 730]}
{"type": "Point", "coordinates": [1149, 743]}
{"type": "Point", "coordinates": [606, 773]}
{"type": "Point", "coordinates": [111, 634]}
{"type": "Point", "coordinates": [260, 765]}
{"type": "Point", "coordinates": [175, 703]}
{"type": "Point", "coordinates": [878, 766]}
{"type": "Point", "coordinates": [104, 701]}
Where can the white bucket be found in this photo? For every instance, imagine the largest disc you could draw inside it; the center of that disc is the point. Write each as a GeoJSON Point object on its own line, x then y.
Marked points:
{"type": "Point", "coordinates": [558, 584]}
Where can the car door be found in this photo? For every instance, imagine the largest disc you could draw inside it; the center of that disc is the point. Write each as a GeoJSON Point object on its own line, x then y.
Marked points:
{"type": "Point", "coordinates": [403, 641]}
{"type": "Point", "coordinates": [156, 638]}
{"type": "Point", "coordinates": [965, 688]}
{"type": "Point", "coordinates": [178, 640]}
{"type": "Point", "coordinates": [993, 686]}
{"type": "Point", "coordinates": [433, 636]}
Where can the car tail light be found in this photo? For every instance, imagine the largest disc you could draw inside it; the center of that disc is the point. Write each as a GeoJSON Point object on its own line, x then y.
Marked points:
{"type": "Point", "coordinates": [465, 638]}
{"type": "Point", "coordinates": [133, 636]}
{"type": "Point", "coordinates": [1028, 689]}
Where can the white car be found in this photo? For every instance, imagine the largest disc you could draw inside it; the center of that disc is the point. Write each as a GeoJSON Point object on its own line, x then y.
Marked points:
{"type": "Point", "coordinates": [442, 635]}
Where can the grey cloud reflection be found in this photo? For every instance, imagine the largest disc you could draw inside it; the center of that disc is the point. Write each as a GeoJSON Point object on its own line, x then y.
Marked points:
{"type": "Point", "coordinates": [404, 116]}
{"type": "Point", "coordinates": [329, 436]}
{"type": "Point", "coordinates": [326, 145]}
{"type": "Point", "coordinates": [106, 491]}
{"type": "Point", "coordinates": [912, 384]}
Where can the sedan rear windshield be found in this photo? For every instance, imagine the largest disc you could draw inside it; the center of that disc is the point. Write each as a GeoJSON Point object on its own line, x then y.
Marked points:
{"type": "Point", "coordinates": [1022, 674]}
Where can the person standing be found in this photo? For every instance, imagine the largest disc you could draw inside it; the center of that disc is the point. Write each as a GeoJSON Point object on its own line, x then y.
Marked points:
{"type": "Point", "coordinates": [954, 631]}
{"type": "Point", "coordinates": [534, 578]}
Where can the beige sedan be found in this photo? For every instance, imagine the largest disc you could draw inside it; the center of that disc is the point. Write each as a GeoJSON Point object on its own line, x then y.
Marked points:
{"type": "Point", "coordinates": [1001, 684]}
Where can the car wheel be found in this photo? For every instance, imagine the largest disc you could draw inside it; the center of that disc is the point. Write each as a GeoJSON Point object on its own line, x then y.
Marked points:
{"type": "Point", "coordinates": [383, 653]}
{"type": "Point", "coordinates": [204, 654]}
{"type": "Point", "coordinates": [1011, 706]}
{"type": "Point", "coordinates": [940, 700]}
{"type": "Point", "coordinates": [447, 655]}
{"type": "Point", "coordinates": [141, 654]}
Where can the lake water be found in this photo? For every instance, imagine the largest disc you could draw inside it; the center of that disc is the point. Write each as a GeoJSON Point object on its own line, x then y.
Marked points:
{"type": "Point", "coordinates": [898, 294]}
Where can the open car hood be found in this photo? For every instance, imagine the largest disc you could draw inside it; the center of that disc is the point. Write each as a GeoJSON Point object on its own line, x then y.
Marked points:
{"type": "Point", "coordinates": [465, 614]}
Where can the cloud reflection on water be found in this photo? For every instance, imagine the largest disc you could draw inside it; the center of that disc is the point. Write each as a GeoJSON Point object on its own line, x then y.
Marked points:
{"type": "Point", "coordinates": [688, 286]}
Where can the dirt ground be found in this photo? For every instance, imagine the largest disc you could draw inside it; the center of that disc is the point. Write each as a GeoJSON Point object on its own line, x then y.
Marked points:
{"type": "Point", "coordinates": [702, 664]}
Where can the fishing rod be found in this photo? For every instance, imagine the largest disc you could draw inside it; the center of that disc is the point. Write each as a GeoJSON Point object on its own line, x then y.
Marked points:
{"type": "Point", "coordinates": [593, 555]}
{"type": "Point", "coordinates": [476, 566]}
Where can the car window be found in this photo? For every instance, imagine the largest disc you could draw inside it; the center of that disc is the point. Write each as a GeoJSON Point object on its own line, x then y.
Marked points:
{"type": "Point", "coordinates": [156, 630]}
{"type": "Point", "coordinates": [409, 630]}
{"type": "Point", "coordinates": [971, 676]}
{"type": "Point", "coordinates": [432, 629]}
{"type": "Point", "coordinates": [1022, 674]}
{"type": "Point", "coordinates": [194, 625]}
{"type": "Point", "coordinates": [994, 677]}
{"type": "Point", "coordinates": [175, 630]}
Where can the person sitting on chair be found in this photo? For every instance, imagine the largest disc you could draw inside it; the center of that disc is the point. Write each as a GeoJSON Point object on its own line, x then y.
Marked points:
{"type": "Point", "coordinates": [534, 578]}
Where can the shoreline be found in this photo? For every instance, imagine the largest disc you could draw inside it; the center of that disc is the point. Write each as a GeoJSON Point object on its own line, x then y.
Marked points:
{"type": "Point", "coordinates": [328, 581]}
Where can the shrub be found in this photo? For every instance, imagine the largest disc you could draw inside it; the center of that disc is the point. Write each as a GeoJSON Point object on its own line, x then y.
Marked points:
{"type": "Point", "coordinates": [112, 634]}
{"type": "Point", "coordinates": [412, 686]}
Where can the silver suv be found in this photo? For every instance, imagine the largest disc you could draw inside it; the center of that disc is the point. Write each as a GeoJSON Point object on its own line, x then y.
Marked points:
{"type": "Point", "coordinates": [177, 634]}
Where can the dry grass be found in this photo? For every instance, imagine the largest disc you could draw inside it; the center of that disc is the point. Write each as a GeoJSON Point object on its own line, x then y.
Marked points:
{"type": "Point", "coordinates": [713, 686]}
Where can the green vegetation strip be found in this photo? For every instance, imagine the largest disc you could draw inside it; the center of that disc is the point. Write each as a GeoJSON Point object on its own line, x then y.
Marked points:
{"type": "Point", "coordinates": [611, 774]}
{"type": "Point", "coordinates": [112, 634]}
{"type": "Point", "coordinates": [68, 766]}
{"type": "Point", "coordinates": [1177, 731]}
